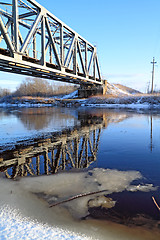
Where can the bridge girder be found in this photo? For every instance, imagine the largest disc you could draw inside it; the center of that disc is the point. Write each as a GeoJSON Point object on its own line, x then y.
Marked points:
{"type": "Point", "coordinates": [35, 42]}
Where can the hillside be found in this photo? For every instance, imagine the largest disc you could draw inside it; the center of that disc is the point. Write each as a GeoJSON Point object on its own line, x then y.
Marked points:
{"type": "Point", "coordinates": [127, 89]}
{"type": "Point", "coordinates": [118, 90]}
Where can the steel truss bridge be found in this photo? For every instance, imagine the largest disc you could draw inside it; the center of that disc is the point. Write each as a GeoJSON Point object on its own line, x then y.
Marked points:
{"type": "Point", "coordinates": [34, 42]}
{"type": "Point", "coordinates": [76, 148]}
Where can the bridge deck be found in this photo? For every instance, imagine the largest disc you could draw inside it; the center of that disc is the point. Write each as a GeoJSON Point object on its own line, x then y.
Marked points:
{"type": "Point", "coordinates": [31, 67]}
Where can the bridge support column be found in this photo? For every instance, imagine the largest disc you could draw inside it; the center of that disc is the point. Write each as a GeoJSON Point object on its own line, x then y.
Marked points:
{"type": "Point", "coordinates": [87, 91]}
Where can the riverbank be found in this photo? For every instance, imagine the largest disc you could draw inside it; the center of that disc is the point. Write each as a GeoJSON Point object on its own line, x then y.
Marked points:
{"type": "Point", "coordinates": [116, 97]}
{"type": "Point", "coordinates": [142, 101]}
{"type": "Point", "coordinates": [137, 102]}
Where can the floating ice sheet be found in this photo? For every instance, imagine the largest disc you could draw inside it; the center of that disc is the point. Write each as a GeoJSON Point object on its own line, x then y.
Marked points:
{"type": "Point", "coordinates": [62, 186]}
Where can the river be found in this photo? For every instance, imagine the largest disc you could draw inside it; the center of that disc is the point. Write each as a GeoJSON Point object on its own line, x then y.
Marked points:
{"type": "Point", "coordinates": [79, 173]}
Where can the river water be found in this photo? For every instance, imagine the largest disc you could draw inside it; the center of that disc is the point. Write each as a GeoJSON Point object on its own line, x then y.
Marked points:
{"type": "Point", "coordinates": [101, 166]}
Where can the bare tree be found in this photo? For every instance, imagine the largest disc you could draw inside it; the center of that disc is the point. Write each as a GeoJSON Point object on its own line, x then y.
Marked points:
{"type": "Point", "coordinates": [4, 92]}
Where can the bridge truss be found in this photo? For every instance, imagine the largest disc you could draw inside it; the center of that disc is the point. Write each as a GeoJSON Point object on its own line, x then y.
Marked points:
{"type": "Point", "coordinates": [36, 43]}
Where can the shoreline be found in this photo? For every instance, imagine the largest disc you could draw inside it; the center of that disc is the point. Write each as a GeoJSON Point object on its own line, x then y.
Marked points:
{"type": "Point", "coordinates": [126, 102]}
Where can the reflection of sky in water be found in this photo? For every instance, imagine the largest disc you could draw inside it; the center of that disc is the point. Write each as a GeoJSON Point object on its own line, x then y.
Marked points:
{"type": "Point", "coordinates": [11, 126]}
{"type": "Point", "coordinates": [26, 123]}
{"type": "Point", "coordinates": [130, 145]}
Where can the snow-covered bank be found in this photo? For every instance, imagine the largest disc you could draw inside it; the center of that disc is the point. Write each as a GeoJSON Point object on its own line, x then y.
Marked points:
{"type": "Point", "coordinates": [117, 96]}
{"type": "Point", "coordinates": [132, 102]}
{"type": "Point", "coordinates": [146, 102]}
{"type": "Point", "coordinates": [25, 212]}
{"type": "Point", "coordinates": [124, 106]}
{"type": "Point", "coordinates": [22, 102]}
{"type": "Point", "coordinates": [28, 101]}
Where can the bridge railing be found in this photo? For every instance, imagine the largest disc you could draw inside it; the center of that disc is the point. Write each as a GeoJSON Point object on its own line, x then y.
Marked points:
{"type": "Point", "coordinates": [34, 39]}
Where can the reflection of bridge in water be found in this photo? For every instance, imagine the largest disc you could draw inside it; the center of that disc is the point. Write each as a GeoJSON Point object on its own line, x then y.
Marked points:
{"type": "Point", "coordinates": [76, 148]}
{"type": "Point", "coordinates": [71, 148]}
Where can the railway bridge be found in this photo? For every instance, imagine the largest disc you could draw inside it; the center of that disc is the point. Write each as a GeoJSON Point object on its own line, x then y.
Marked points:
{"type": "Point", "coordinates": [34, 42]}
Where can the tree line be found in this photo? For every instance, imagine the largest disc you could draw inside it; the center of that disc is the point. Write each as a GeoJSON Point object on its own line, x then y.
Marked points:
{"type": "Point", "coordinates": [37, 87]}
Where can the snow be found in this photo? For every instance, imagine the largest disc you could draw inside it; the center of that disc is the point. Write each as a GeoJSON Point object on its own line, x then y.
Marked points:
{"type": "Point", "coordinates": [131, 106]}
{"type": "Point", "coordinates": [112, 89]}
{"type": "Point", "coordinates": [24, 105]}
{"type": "Point", "coordinates": [71, 95]}
{"type": "Point", "coordinates": [14, 226]}
{"type": "Point", "coordinates": [142, 188]}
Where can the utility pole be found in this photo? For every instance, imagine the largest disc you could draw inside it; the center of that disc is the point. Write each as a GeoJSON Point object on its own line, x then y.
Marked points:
{"type": "Point", "coordinates": [153, 74]}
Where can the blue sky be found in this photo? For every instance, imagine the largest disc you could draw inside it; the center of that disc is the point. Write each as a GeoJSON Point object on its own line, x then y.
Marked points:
{"type": "Point", "coordinates": [126, 33]}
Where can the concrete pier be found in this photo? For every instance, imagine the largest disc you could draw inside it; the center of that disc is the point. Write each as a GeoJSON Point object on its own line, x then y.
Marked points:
{"type": "Point", "coordinates": [87, 91]}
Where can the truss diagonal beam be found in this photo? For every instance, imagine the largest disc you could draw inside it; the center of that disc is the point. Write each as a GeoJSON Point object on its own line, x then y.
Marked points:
{"type": "Point", "coordinates": [91, 61]}
{"type": "Point", "coordinates": [6, 26]}
{"type": "Point", "coordinates": [52, 42]}
{"type": "Point", "coordinates": [80, 54]}
{"type": "Point", "coordinates": [31, 32]}
{"type": "Point", "coordinates": [98, 68]}
{"type": "Point", "coordinates": [6, 37]}
{"type": "Point", "coordinates": [69, 52]}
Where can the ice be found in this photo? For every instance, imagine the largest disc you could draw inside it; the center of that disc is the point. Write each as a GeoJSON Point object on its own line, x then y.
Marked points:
{"type": "Point", "coordinates": [142, 188]}
{"type": "Point", "coordinates": [72, 184]}
{"type": "Point", "coordinates": [25, 212]}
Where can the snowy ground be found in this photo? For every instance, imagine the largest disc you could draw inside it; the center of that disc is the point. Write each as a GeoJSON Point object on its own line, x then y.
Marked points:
{"type": "Point", "coordinates": [25, 214]}
{"type": "Point", "coordinates": [15, 226]}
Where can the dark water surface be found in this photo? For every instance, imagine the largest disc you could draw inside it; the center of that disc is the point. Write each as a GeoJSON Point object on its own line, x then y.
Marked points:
{"type": "Point", "coordinates": [48, 140]}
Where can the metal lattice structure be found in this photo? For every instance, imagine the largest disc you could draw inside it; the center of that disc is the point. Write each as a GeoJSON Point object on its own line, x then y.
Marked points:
{"type": "Point", "coordinates": [36, 43]}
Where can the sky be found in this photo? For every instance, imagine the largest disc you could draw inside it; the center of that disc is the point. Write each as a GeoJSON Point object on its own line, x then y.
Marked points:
{"type": "Point", "coordinates": [125, 32]}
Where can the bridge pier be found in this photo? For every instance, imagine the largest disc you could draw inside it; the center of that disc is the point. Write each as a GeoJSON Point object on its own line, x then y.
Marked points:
{"type": "Point", "coordinates": [87, 91]}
